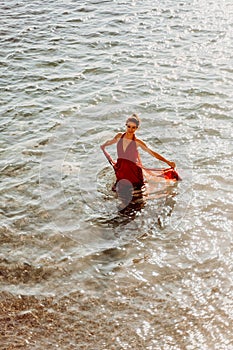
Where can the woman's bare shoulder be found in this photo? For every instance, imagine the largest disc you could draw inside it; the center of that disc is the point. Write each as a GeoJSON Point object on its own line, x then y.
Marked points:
{"type": "Point", "coordinates": [140, 142]}
{"type": "Point", "coordinates": [118, 135]}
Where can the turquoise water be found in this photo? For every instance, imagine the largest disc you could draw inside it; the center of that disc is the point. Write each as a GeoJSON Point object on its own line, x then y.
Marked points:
{"type": "Point", "coordinates": [71, 73]}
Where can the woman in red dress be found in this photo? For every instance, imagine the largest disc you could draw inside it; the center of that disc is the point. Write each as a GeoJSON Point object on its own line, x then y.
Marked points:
{"type": "Point", "coordinates": [128, 168]}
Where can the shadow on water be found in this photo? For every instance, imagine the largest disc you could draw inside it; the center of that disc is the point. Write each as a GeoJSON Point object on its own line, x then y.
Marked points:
{"type": "Point", "coordinates": [143, 218]}
{"type": "Point", "coordinates": [132, 200]}
{"type": "Point", "coordinates": [153, 209]}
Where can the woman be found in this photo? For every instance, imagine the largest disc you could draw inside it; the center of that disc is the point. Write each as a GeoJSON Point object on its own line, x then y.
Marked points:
{"type": "Point", "coordinates": [128, 168]}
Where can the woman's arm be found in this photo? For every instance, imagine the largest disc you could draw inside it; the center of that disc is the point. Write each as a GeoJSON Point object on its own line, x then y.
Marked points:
{"type": "Point", "coordinates": [111, 141]}
{"type": "Point", "coordinates": [154, 154]}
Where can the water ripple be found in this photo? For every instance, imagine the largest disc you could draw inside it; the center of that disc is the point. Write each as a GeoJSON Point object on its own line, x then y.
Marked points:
{"type": "Point", "coordinates": [73, 269]}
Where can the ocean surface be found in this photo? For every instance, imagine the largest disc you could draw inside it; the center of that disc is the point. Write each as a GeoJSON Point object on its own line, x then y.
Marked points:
{"type": "Point", "coordinates": [76, 273]}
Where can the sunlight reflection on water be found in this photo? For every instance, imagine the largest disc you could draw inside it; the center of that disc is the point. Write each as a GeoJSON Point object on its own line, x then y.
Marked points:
{"type": "Point", "coordinates": [74, 271]}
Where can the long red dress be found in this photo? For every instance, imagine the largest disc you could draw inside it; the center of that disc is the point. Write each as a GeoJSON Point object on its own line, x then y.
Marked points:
{"type": "Point", "coordinates": [128, 166]}
{"type": "Point", "coordinates": [130, 171]}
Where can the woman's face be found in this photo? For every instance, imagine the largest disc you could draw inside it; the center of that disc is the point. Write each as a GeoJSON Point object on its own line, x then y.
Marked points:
{"type": "Point", "coordinates": [131, 127]}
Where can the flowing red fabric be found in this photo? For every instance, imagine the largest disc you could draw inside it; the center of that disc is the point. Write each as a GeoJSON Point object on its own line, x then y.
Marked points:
{"type": "Point", "coordinates": [128, 166]}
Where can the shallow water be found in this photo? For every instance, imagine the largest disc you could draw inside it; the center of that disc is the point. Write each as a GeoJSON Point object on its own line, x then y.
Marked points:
{"type": "Point", "coordinates": [75, 273]}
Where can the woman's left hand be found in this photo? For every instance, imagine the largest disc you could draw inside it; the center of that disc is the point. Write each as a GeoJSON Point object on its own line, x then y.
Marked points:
{"type": "Point", "coordinates": [172, 164]}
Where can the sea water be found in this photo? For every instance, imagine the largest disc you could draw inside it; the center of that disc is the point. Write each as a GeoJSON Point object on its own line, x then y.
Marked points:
{"type": "Point", "coordinates": [75, 273]}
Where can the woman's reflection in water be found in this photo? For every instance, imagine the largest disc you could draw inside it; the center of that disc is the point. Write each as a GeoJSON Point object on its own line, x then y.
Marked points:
{"type": "Point", "coordinates": [131, 199]}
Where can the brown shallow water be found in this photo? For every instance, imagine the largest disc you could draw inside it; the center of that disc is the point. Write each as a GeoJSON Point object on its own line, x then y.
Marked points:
{"type": "Point", "coordinates": [75, 273]}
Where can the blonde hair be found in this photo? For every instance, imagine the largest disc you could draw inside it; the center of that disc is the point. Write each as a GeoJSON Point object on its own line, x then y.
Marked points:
{"type": "Point", "coordinates": [134, 119]}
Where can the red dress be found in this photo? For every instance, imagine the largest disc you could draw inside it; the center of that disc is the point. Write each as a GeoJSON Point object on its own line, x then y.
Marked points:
{"type": "Point", "coordinates": [128, 166]}
{"type": "Point", "coordinates": [129, 170]}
